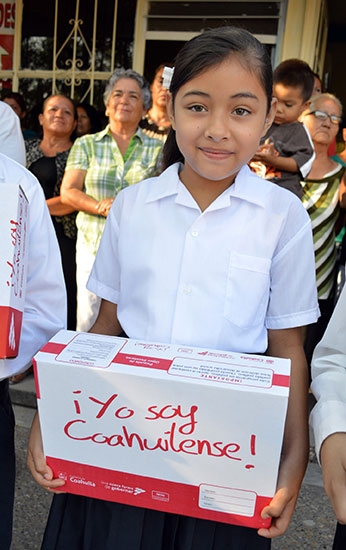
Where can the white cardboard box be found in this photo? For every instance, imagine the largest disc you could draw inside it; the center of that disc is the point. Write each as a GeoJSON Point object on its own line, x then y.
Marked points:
{"type": "Point", "coordinates": [13, 265]}
{"type": "Point", "coordinates": [175, 428]}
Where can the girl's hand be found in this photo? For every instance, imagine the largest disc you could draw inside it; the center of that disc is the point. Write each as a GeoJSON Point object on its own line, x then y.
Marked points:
{"type": "Point", "coordinates": [103, 207]}
{"type": "Point", "coordinates": [281, 506]}
{"type": "Point", "coordinates": [36, 462]}
{"type": "Point", "coordinates": [333, 461]}
{"type": "Point", "coordinates": [294, 455]}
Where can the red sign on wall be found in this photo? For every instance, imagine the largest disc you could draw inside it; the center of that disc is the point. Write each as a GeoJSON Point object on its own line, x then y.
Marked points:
{"type": "Point", "coordinates": [7, 19]}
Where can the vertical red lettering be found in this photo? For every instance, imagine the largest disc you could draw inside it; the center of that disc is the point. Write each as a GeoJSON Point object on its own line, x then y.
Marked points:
{"type": "Point", "coordinates": [253, 444]}
{"type": "Point", "coordinates": [76, 404]}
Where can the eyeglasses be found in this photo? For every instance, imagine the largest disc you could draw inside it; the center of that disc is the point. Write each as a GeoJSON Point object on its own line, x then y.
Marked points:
{"type": "Point", "coordinates": [321, 115]}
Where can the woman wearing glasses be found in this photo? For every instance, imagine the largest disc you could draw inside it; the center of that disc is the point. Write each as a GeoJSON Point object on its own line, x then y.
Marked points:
{"type": "Point", "coordinates": [324, 196]}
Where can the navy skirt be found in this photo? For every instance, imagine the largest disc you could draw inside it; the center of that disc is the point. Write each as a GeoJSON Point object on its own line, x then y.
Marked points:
{"type": "Point", "coordinates": [340, 537]}
{"type": "Point", "coordinates": [82, 523]}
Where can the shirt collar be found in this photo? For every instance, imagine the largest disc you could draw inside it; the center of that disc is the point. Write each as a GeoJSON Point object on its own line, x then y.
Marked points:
{"type": "Point", "coordinates": [167, 184]}
{"type": "Point", "coordinates": [106, 132]}
{"type": "Point", "coordinates": [247, 186]}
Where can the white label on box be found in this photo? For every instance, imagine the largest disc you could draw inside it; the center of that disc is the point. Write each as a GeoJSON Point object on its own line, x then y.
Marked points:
{"type": "Point", "coordinates": [213, 371]}
{"type": "Point", "coordinates": [225, 499]}
{"type": "Point", "coordinates": [87, 350]}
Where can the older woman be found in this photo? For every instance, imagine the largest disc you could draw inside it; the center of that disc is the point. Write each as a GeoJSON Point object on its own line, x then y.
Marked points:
{"type": "Point", "coordinates": [102, 164]}
{"type": "Point", "coordinates": [323, 194]}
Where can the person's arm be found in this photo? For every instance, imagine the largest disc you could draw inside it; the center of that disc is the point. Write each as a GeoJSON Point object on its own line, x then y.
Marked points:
{"type": "Point", "coordinates": [57, 208]}
{"type": "Point", "coordinates": [72, 193]}
{"type": "Point", "coordinates": [106, 323]}
{"type": "Point", "coordinates": [36, 461]}
{"type": "Point", "coordinates": [328, 417]}
{"type": "Point", "coordinates": [288, 343]}
{"type": "Point", "coordinates": [342, 193]}
{"type": "Point", "coordinates": [107, 320]}
{"type": "Point", "coordinates": [288, 164]}
{"type": "Point", "coordinates": [333, 462]}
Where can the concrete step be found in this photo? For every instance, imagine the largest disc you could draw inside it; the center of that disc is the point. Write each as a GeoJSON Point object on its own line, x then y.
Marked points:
{"type": "Point", "coordinates": [24, 393]}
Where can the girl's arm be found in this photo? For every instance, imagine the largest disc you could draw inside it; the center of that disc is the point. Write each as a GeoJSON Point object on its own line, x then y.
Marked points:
{"type": "Point", "coordinates": [294, 456]}
{"type": "Point", "coordinates": [106, 323]}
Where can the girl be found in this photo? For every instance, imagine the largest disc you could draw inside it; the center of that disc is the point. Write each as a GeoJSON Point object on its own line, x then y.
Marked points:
{"type": "Point", "coordinates": [203, 255]}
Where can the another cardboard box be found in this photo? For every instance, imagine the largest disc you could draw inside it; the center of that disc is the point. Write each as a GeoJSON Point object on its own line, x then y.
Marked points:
{"type": "Point", "coordinates": [14, 210]}
{"type": "Point", "coordinates": [175, 428]}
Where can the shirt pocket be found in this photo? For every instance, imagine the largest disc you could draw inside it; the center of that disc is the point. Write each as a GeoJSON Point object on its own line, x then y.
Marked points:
{"type": "Point", "coordinates": [247, 293]}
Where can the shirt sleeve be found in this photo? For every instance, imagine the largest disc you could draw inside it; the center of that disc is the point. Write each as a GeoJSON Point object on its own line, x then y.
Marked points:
{"type": "Point", "coordinates": [293, 292]}
{"type": "Point", "coordinates": [329, 378]}
{"type": "Point", "coordinates": [45, 297]}
{"type": "Point", "coordinates": [78, 158]}
{"type": "Point", "coordinates": [302, 148]}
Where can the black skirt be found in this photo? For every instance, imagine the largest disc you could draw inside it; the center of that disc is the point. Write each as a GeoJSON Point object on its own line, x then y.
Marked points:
{"type": "Point", "coordinates": [81, 523]}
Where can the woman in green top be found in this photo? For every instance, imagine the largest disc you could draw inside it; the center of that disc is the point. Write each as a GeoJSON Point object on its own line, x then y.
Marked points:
{"type": "Point", "coordinates": [99, 166]}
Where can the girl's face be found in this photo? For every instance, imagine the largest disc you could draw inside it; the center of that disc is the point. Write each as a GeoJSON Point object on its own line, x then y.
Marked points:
{"type": "Point", "coordinates": [219, 117]}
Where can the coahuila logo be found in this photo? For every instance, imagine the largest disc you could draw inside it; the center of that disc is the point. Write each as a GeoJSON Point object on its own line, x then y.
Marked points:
{"type": "Point", "coordinates": [82, 481]}
{"type": "Point", "coordinates": [138, 491]}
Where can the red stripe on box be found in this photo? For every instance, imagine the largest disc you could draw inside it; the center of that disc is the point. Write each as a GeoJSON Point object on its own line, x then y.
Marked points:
{"type": "Point", "coordinates": [53, 347]}
{"type": "Point", "coordinates": [151, 362]}
{"type": "Point", "coordinates": [37, 385]}
{"type": "Point", "coordinates": [281, 380]}
{"type": "Point", "coordinates": [6, 315]}
{"type": "Point", "coordinates": [142, 361]}
{"type": "Point", "coordinates": [145, 492]}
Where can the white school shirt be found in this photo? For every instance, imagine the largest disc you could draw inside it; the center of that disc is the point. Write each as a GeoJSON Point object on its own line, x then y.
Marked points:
{"type": "Point", "coordinates": [45, 298]}
{"type": "Point", "coordinates": [328, 369]}
{"type": "Point", "coordinates": [218, 278]}
{"type": "Point", "coordinates": [11, 137]}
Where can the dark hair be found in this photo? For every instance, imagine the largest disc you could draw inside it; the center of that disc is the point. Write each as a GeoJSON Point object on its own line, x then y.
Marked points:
{"type": "Point", "coordinates": [8, 94]}
{"type": "Point", "coordinates": [207, 50]}
{"type": "Point", "coordinates": [295, 73]}
{"type": "Point", "coordinates": [94, 116]}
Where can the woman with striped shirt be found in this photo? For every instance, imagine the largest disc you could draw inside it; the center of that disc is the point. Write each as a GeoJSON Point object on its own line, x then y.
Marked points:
{"type": "Point", "coordinates": [323, 190]}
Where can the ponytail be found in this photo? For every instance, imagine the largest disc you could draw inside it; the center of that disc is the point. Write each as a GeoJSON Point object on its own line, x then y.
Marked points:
{"type": "Point", "coordinates": [171, 151]}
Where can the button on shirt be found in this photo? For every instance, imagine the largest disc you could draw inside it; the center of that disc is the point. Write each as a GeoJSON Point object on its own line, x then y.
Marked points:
{"type": "Point", "coordinates": [218, 278]}
{"type": "Point", "coordinates": [108, 172]}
